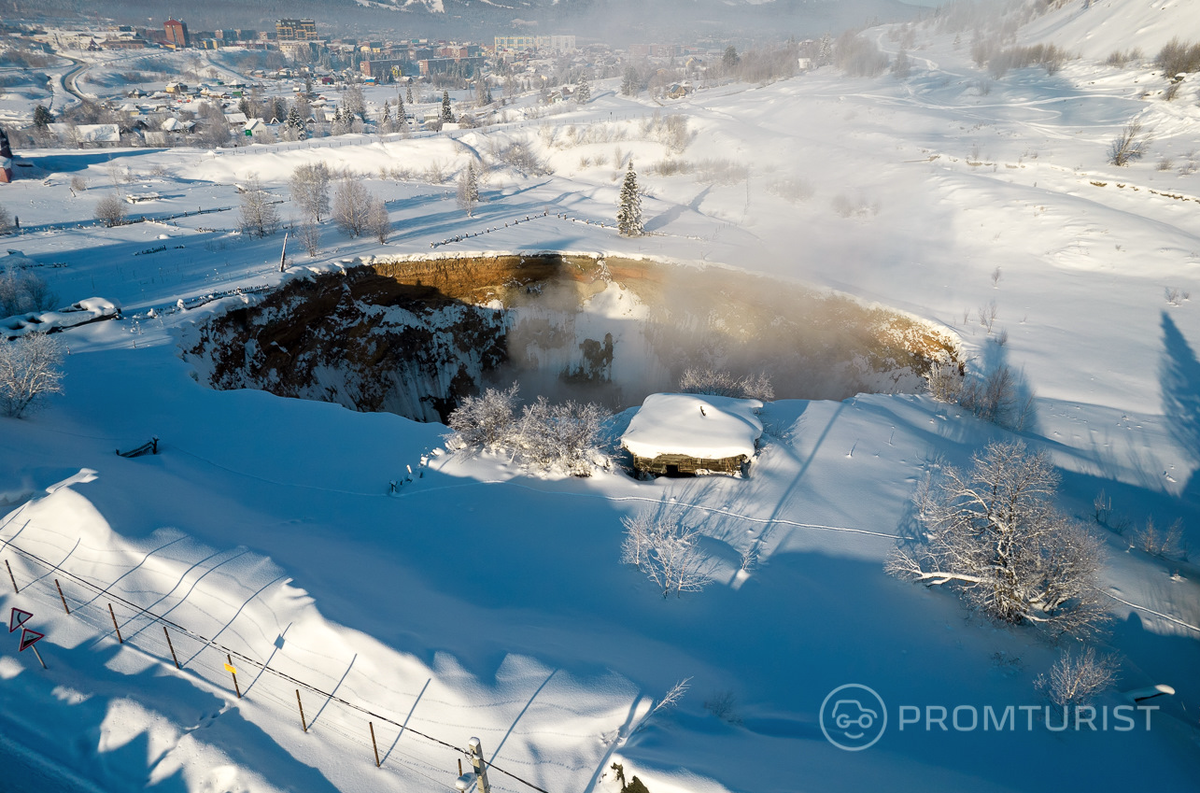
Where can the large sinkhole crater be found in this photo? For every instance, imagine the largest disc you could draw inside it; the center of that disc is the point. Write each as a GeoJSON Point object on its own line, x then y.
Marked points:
{"type": "Point", "coordinates": [414, 337]}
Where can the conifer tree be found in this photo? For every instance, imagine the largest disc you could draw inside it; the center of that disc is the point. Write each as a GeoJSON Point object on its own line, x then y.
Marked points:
{"type": "Point", "coordinates": [42, 117]}
{"type": "Point", "coordinates": [468, 189]}
{"type": "Point", "coordinates": [408, 95]}
{"type": "Point", "coordinates": [583, 91]}
{"type": "Point", "coordinates": [629, 215]}
{"type": "Point", "coordinates": [447, 116]}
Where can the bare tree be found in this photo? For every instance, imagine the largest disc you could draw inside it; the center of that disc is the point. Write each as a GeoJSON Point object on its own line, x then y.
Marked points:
{"type": "Point", "coordinates": [658, 545]}
{"type": "Point", "coordinates": [351, 206]}
{"type": "Point", "coordinates": [485, 421]}
{"type": "Point", "coordinates": [110, 210]}
{"type": "Point", "coordinates": [258, 215]}
{"type": "Point", "coordinates": [1164, 543]}
{"type": "Point", "coordinates": [1076, 679]}
{"type": "Point", "coordinates": [378, 221]}
{"type": "Point", "coordinates": [310, 237]}
{"type": "Point", "coordinates": [1128, 146]}
{"type": "Point", "coordinates": [30, 368]}
{"type": "Point", "coordinates": [994, 535]}
{"type": "Point", "coordinates": [309, 187]}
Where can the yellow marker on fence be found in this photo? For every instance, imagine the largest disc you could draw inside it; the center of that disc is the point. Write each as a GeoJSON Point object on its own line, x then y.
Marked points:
{"type": "Point", "coordinates": [229, 668]}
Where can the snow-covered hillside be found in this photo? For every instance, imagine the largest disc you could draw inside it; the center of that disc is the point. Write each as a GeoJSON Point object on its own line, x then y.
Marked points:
{"type": "Point", "coordinates": [345, 563]}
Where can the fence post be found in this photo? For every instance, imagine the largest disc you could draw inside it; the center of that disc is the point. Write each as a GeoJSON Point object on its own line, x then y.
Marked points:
{"type": "Point", "coordinates": [117, 627]}
{"type": "Point", "coordinates": [60, 596]}
{"type": "Point", "coordinates": [12, 578]}
{"type": "Point", "coordinates": [373, 744]}
{"type": "Point", "coordinates": [479, 764]}
{"type": "Point", "coordinates": [233, 671]}
{"type": "Point", "coordinates": [174, 657]}
{"type": "Point", "coordinates": [301, 704]}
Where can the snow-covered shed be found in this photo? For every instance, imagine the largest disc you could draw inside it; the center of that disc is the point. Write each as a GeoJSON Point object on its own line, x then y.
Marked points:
{"type": "Point", "coordinates": [693, 434]}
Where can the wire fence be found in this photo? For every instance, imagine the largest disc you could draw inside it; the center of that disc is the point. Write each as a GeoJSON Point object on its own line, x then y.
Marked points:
{"type": "Point", "coordinates": [333, 712]}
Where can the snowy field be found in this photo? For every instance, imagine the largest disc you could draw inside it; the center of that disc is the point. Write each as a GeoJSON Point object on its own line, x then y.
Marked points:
{"type": "Point", "coordinates": [483, 601]}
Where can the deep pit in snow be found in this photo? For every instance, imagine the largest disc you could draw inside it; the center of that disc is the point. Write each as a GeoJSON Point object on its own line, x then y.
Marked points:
{"type": "Point", "coordinates": [414, 337]}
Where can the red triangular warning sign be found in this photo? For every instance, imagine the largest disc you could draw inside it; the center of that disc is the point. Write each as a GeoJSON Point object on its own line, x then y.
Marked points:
{"type": "Point", "coordinates": [29, 638]}
{"type": "Point", "coordinates": [17, 619]}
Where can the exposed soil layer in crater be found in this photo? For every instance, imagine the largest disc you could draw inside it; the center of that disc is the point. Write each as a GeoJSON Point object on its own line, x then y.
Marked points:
{"type": "Point", "coordinates": [414, 337]}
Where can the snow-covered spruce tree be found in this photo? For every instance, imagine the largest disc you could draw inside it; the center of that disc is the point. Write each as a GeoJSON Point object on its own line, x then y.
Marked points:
{"type": "Point", "coordinates": [385, 121]}
{"type": "Point", "coordinates": [5, 220]}
{"type": "Point", "coordinates": [485, 421]}
{"type": "Point", "coordinates": [994, 536]}
{"type": "Point", "coordinates": [401, 123]}
{"type": "Point", "coordinates": [294, 126]}
{"type": "Point", "coordinates": [667, 552]}
{"type": "Point", "coordinates": [629, 214]}
{"type": "Point", "coordinates": [583, 91]}
{"type": "Point", "coordinates": [30, 368]}
{"type": "Point", "coordinates": [408, 97]}
{"type": "Point", "coordinates": [309, 187]}
{"type": "Point", "coordinates": [468, 189]}
{"type": "Point", "coordinates": [258, 216]}
{"type": "Point", "coordinates": [447, 116]}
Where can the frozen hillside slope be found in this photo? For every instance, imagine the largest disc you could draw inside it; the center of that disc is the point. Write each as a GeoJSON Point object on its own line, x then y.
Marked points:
{"type": "Point", "coordinates": [1104, 26]}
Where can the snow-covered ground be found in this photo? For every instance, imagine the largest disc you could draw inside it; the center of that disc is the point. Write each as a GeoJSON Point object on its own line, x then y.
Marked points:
{"type": "Point", "coordinates": [484, 601]}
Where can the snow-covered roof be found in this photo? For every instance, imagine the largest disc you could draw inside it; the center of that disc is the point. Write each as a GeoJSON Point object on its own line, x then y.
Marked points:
{"type": "Point", "coordinates": [696, 425]}
{"type": "Point", "coordinates": [80, 313]}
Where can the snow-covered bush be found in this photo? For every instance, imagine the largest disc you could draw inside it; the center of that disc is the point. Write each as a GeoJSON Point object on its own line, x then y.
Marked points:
{"type": "Point", "coordinates": [24, 292]}
{"type": "Point", "coordinates": [110, 210]}
{"type": "Point", "coordinates": [667, 552]}
{"type": "Point", "coordinates": [1076, 679]}
{"type": "Point", "coordinates": [5, 220]}
{"type": "Point", "coordinates": [716, 382]}
{"type": "Point", "coordinates": [994, 535]}
{"type": "Point", "coordinates": [1128, 146]}
{"type": "Point", "coordinates": [30, 367]}
{"type": "Point", "coordinates": [564, 437]}
{"type": "Point", "coordinates": [998, 396]}
{"type": "Point", "coordinates": [546, 437]}
{"type": "Point", "coordinates": [1177, 57]}
{"type": "Point", "coordinates": [485, 421]}
{"type": "Point", "coordinates": [858, 56]}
